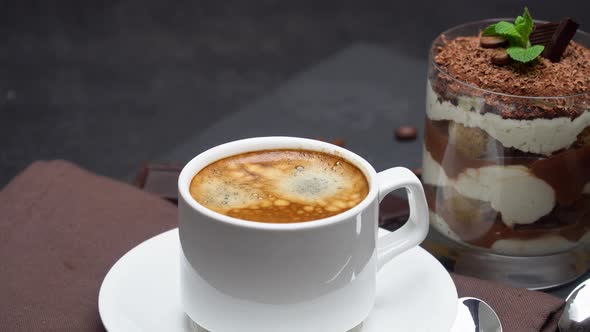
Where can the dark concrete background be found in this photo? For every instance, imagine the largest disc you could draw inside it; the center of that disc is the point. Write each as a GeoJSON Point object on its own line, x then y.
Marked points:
{"type": "Point", "coordinates": [111, 84]}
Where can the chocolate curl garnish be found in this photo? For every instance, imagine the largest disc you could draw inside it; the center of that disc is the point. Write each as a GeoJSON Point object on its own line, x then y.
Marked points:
{"type": "Point", "coordinates": [554, 36]}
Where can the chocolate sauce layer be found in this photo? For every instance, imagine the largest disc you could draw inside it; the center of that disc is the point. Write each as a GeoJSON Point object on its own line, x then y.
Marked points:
{"type": "Point", "coordinates": [566, 172]}
{"type": "Point", "coordinates": [478, 224]}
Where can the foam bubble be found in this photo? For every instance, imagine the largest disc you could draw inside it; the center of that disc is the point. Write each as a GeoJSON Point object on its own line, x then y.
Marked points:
{"type": "Point", "coordinates": [224, 194]}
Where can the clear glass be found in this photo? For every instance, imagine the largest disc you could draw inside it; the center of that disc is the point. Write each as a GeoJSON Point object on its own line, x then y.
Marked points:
{"type": "Point", "coordinates": [516, 187]}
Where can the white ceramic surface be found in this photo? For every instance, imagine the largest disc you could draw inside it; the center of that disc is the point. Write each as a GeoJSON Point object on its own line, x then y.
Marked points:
{"type": "Point", "coordinates": [141, 292]}
{"type": "Point", "coordinates": [319, 273]}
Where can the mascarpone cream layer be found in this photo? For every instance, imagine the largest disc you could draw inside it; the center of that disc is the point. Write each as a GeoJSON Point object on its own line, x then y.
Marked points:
{"type": "Point", "coordinates": [540, 136]}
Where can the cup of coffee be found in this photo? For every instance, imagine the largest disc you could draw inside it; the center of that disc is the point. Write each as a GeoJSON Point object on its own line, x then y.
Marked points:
{"type": "Point", "coordinates": [281, 234]}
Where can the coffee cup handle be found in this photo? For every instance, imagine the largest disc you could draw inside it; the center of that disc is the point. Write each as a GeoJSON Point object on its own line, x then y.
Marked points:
{"type": "Point", "coordinates": [416, 228]}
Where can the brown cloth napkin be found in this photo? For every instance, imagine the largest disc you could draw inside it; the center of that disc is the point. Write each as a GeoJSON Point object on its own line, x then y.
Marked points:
{"type": "Point", "coordinates": [519, 310]}
{"type": "Point", "coordinates": [62, 228]}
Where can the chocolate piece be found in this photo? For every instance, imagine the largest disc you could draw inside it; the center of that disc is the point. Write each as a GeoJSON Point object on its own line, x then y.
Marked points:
{"type": "Point", "coordinates": [554, 36]}
{"type": "Point", "coordinates": [141, 176]}
{"type": "Point", "coordinates": [542, 33]}
{"type": "Point", "coordinates": [560, 39]}
{"type": "Point", "coordinates": [492, 42]}
{"type": "Point", "coordinates": [405, 133]}
{"type": "Point", "coordinates": [160, 179]}
{"type": "Point", "coordinates": [500, 58]}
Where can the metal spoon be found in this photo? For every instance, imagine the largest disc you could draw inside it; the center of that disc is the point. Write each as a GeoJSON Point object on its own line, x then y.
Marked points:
{"type": "Point", "coordinates": [474, 315]}
{"type": "Point", "coordinates": [576, 314]}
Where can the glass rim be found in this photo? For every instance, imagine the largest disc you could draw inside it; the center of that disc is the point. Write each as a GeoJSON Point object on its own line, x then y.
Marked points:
{"type": "Point", "coordinates": [475, 87]}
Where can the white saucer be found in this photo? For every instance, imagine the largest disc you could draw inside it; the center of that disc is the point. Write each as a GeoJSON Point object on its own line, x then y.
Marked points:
{"type": "Point", "coordinates": [141, 292]}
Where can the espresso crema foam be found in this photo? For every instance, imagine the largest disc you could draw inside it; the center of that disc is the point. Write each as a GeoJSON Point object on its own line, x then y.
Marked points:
{"type": "Point", "coordinates": [280, 186]}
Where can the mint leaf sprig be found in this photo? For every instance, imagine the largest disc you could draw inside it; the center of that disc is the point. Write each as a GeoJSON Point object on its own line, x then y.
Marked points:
{"type": "Point", "coordinates": [517, 34]}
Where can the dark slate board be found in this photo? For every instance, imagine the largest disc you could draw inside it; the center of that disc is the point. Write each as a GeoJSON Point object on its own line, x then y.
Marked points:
{"type": "Point", "coordinates": [360, 95]}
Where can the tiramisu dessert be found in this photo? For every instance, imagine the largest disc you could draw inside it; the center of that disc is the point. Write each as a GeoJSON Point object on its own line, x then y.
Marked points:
{"type": "Point", "coordinates": [507, 136]}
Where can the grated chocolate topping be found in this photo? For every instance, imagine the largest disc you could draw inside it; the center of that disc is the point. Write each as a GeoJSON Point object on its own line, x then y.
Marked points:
{"type": "Point", "coordinates": [464, 59]}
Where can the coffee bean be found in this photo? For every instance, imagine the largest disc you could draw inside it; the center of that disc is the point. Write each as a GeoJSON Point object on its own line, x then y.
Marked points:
{"type": "Point", "coordinates": [492, 41]}
{"type": "Point", "coordinates": [500, 58]}
{"type": "Point", "coordinates": [404, 133]}
{"type": "Point", "coordinates": [339, 142]}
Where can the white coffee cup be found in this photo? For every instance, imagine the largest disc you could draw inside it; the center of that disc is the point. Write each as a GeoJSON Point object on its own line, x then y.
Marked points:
{"type": "Point", "coordinates": [244, 276]}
